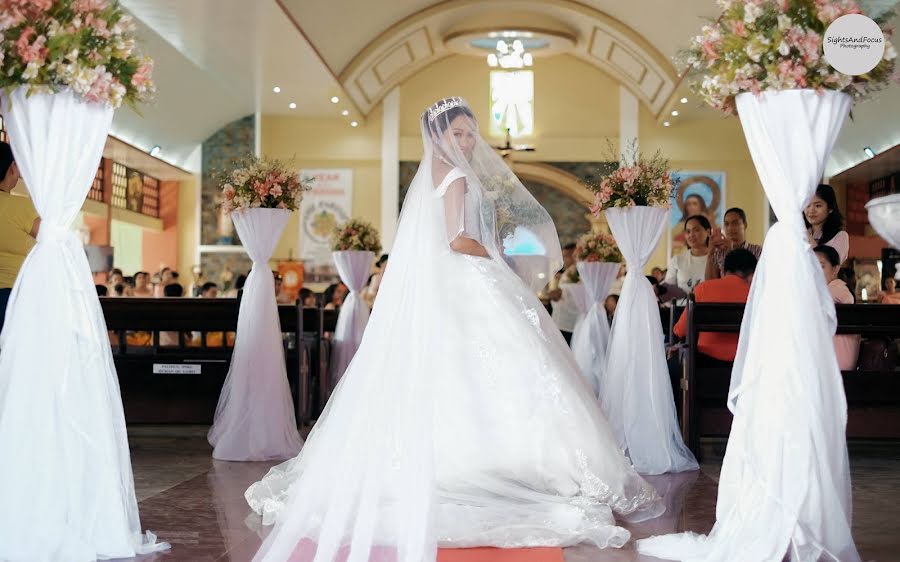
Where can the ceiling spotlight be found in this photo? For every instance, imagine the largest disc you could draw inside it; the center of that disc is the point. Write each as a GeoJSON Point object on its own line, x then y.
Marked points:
{"type": "Point", "coordinates": [869, 152]}
{"type": "Point", "coordinates": [354, 124]}
{"type": "Point", "coordinates": [335, 99]}
{"type": "Point", "coordinates": [683, 100]}
{"type": "Point", "coordinates": [346, 112]}
{"type": "Point", "coordinates": [666, 123]}
{"type": "Point", "coordinates": [292, 105]}
{"type": "Point", "coordinates": [155, 150]}
{"type": "Point", "coordinates": [276, 89]}
{"type": "Point", "coordinates": [675, 113]}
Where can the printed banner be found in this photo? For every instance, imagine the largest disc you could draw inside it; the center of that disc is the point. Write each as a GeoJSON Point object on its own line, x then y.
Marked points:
{"type": "Point", "coordinates": [324, 208]}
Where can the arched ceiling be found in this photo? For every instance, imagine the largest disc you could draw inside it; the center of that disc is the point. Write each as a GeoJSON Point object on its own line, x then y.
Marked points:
{"type": "Point", "coordinates": [380, 44]}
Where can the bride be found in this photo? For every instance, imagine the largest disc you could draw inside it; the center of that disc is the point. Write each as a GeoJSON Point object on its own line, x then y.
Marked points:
{"type": "Point", "coordinates": [462, 420]}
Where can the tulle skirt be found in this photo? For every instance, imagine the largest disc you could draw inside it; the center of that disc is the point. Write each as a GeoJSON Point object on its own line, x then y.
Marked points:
{"type": "Point", "coordinates": [509, 438]}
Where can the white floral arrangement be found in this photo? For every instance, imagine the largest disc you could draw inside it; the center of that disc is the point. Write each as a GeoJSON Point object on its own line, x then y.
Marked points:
{"type": "Point", "coordinates": [262, 183]}
{"type": "Point", "coordinates": [759, 45]}
{"type": "Point", "coordinates": [356, 235]}
{"type": "Point", "coordinates": [87, 46]}
{"type": "Point", "coordinates": [597, 247]}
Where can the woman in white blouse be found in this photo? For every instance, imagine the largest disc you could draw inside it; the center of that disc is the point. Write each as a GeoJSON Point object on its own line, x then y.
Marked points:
{"type": "Point", "coordinates": [688, 269]}
{"type": "Point", "coordinates": [825, 222]}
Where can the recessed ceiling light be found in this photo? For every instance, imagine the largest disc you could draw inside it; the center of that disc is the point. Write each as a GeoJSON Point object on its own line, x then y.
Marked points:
{"type": "Point", "coordinates": [346, 112]}
{"type": "Point", "coordinates": [155, 150]}
{"type": "Point", "coordinates": [675, 113]}
{"type": "Point", "coordinates": [335, 99]}
{"type": "Point", "coordinates": [683, 100]}
{"type": "Point", "coordinates": [276, 89]}
{"type": "Point", "coordinates": [353, 123]}
{"type": "Point", "coordinates": [292, 105]}
{"type": "Point", "coordinates": [869, 152]}
{"type": "Point", "coordinates": [666, 123]}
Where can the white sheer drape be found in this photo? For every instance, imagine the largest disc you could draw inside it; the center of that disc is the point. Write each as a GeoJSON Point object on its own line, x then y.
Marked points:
{"type": "Point", "coordinates": [884, 216]}
{"type": "Point", "coordinates": [255, 417]}
{"type": "Point", "coordinates": [635, 392]}
{"type": "Point", "coordinates": [785, 483]}
{"type": "Point", "coordinates": [66, 487]}
{"type": "Point", "coordinates": [354, 268]}
{"type": "Point", "coordinates": [591, 335]}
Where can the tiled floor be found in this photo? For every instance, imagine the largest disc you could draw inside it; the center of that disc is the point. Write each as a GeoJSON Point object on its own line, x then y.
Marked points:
{"type": "Point", "coordinates": [197, 504]}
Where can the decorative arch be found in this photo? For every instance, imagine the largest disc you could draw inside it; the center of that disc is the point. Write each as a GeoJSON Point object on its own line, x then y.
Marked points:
{"type": "Point", "coordinates": [417, 41]}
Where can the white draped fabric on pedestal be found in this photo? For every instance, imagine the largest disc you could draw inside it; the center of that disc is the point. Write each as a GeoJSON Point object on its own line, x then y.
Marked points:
{"type": "Point", "coordinates": [354, 268]}
{"type": "Point", "coordinates": [635, 391]}
{"type": "Point", "coordinates": [66, 486]}
{"type": "Point", "coordinates": [255, 417]}
{"type": "Point", "coordinates": [591, 335]}
{"type": "Point", "coordinates": [785, 482]}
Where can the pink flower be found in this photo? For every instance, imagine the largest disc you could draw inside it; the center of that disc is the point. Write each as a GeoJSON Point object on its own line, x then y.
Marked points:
{"type": "Point", "coordinates": [141, 77]}
{"type": "Point", "coordinates": [783, 5]}
{"type": "Point", "coordinates": [739, 28]}
{"type": "Point", "coordinates": [83, 6]}
{"type": "Point", "coordinates": [710, 51]}
{"type": "Point", "coordinates": [28, 51]}
{"type": "Point", "coordinates": [261, 188]}
{"type": "Point", "coordinates": [228, 192]}
{"type": "Point", "coordinates": [100, 27]}
{"type": "Point", "coordinates": [99, 91]}
{"type": "Point", "coordinates": [276, 190]}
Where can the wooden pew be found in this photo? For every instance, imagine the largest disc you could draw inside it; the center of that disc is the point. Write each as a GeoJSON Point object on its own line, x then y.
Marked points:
{"type": "Point", "coordinates": [873, 397]}
{"type": "Point", "coordinates": [181, 384]}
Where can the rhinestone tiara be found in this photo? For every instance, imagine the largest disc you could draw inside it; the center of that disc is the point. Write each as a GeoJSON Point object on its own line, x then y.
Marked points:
{"type": "Point", "coordinates": [444, 105]}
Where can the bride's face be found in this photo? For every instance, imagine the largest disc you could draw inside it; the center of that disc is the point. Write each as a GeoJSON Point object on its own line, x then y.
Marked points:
{"type": "Point", "coordinates": [461, 134]}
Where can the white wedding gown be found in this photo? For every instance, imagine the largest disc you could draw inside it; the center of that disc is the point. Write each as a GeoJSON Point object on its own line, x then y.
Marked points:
{"type": "Point", "coordinates": [463, 419]}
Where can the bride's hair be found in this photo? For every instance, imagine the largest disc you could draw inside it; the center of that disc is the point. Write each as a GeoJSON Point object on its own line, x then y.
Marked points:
{"type": "Point", "coordinates": [437, 121]}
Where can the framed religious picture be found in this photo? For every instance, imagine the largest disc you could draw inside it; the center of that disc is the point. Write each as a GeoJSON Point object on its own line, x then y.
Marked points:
{"type": "Point", "coordinates": [698, 193]}
{"type": "Point", "coordinates": [134, 194]}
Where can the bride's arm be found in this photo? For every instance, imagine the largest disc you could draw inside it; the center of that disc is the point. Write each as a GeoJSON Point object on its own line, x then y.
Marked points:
{"type": "Point", "coordinates": [454, 210]}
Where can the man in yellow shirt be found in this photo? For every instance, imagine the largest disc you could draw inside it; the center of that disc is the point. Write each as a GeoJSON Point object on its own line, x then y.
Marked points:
{"type": "Point", "coordinates": [19, 224]}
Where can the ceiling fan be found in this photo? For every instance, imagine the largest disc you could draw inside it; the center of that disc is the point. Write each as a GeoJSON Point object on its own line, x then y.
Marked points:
{"type": "Point", "coordinates": [509, 147]}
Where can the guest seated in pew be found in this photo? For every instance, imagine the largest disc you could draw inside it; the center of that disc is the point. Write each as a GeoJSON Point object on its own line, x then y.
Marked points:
{"type": "Point", "coordinates": [172, 290]}
{"type": "Point", "coordinates": [714, 349]}
{"type": "Point", "coordinates": [308, 298]}
{"type": "Point", "coordinates": [890, 295]}
{"type": "Point", "coordinates": [334, 296]}
{"type": "Point", "coordinates": [846, 347]}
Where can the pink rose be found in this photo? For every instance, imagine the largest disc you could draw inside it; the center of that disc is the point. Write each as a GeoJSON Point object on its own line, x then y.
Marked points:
{"type": "Point", "coordinates": [228, 192]}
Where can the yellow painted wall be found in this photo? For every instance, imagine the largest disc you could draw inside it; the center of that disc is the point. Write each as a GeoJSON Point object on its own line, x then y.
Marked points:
{"type": "Point", "coordinates": [188, 225]}
{"type": "Point", "coordinates": [576, 106]}
{"type": "Point", "coordinates": [577, 113]}
{"type": "Point", "coordinates": [328, 143]}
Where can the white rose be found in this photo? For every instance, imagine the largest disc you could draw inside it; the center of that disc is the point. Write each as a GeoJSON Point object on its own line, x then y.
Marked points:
{"type": "Point", "coordinates": [784, 49]}
{"type": "Point", "coordinates": [31, 71]}
{"type": "Point", "coordinates": [784, 22]}
{"type": "Point", "coordinates": [753, 51]}
{"type": "Point", "coordinates": [890, 53]}
{"type": "Point", "coordinates": [751, 12]}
